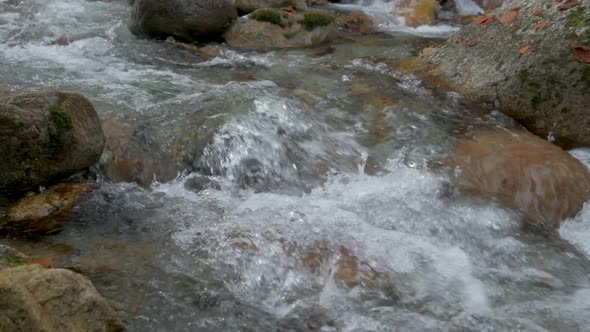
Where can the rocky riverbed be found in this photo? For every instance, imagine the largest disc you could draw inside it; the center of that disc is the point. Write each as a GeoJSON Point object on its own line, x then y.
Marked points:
{"type": "Point", "coordinates": [293, 166]}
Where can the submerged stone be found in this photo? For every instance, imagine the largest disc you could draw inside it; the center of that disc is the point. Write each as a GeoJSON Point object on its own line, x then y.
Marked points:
{"type": "Point", "coordinates": [523, 172]}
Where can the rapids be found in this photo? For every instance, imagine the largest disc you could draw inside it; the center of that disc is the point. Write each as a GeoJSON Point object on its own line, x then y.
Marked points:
{"type": "Point", "coordinates": [317, 209]}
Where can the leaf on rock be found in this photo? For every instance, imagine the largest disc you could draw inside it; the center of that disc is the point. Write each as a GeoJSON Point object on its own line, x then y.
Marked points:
{"type": "Point", "coordinates": [515, 9]}
{"type": "Point", "coordinates": [538, 13]}
{"type": "Point", "coordinates": [428, 50]}
{"type": "Point", "coordinates": [46, 262]}
{"type": "Point", "coordinates": [525, 49]}
{"type": "Point", "coordinates": [582, 53]}
{"type": "Point", "coordinates": [568, 4]}
{"type": "Point", "coordinates": [484, 20]}
{"type": "Point", "coordinates": [508, 17]}
{"type": "Point", "coordinates": [472, 42]}
{"type": "Point", "coordinates": [540, 25]}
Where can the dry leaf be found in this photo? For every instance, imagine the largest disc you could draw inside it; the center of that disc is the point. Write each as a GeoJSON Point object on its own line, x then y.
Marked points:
{"type": "Point", "coordinates": [515, 9]}
{"type": "Point", "coordinates": [525, 49]}
{"type": "Point", "coordinates": [568, 4]}
{"type": "Point", "coordinates": [472, 42]}
{"type": "Point", "coordinates": [582, 53]}
{"type": "Point", "coordinates": [484, 19]}
{"type": "Point", "coordinates": [46, 262]}
{"type": "Point", "coordinates": [540, 25]}
{"type": "Point", "coordinates": [538, 13]}
{"type": "Point", "coordinates": [428, 50]}
{"type": "Point", "coordinates": [508, 17]}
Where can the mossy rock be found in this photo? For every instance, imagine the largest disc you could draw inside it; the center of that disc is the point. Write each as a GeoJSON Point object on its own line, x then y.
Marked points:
{"type": "Point", "coordinates": [267, 15]}
{"type": "Point", "coordinates": [312, 20]}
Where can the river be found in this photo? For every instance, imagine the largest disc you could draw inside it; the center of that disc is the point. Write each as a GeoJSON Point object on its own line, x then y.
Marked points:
{"type": "Point", "coordinates": [289, 190]}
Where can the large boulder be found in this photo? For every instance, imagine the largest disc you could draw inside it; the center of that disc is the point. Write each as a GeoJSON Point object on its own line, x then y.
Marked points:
{"type": "Point", "coordinates": [522, 171]}
{"type": "Point", "coordinates": [46, 136]}
{"type": "Point", "coordinates": [417, 12]}
{"type": "Point", "coordinates": [248, 6]}
{"type": "Point", "coordinates": [187, 20]}
{"type": "Point", "coordinates": [529, 58]}
{"type": "Point", "coordinates": [267, 29]}
{"type": "Point", "coordinates": [34, 299]}
{"type": "Point", "coordinates": [44, 213]}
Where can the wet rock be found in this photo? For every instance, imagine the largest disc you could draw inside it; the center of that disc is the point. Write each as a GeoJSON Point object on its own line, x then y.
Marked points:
{"type": "Point", "coordinates": [44, 213]}
{"type": "Point", "coordinates": [267, 29]}
{"type": "Point", "coordinates": [248, 6]}
{"type": "Point", "coordinates": [46, 136]}
{"type": "Point", "coordinates": [358, 23]}
{"type": "Point", "coordinates": [417, 12]}
{"type": "Point", "coordinates": [523, 172]}
{"type": "Point", "coordinates": [36, 299]}
{"type": "Point", "coordinates": [200, 183]}
{"type": "Point", "coordinates": [185, 20]}
{"type": "Point", "coordinates": [534, 76]}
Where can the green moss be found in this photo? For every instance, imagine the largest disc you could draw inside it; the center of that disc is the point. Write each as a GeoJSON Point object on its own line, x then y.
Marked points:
{"type": "Point", "coordinates": [578, 18]}
{"type": "Point", "coordinates": [61, 123]}
{"type": "Point", "coordinates": [60, 118]}
{"type": "Point", "coordinates": [288, 3]}
{"type": "Point", "coordinates": [585, 75]}
{"type": "Point", "coordinates": [312, 20]}
{"type": "Point", "coordinates": [267, 15]}
{"type": "Point", "coordinates": [523, 75]}
{"type": "Point", "coordinates": [11, 261]}
{"type": "Point", "coordinates": [536, 101]}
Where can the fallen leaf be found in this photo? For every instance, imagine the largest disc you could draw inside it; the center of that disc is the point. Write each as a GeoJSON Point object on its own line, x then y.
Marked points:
{"type": "Point", "coordinates": [484, 19]}
{"type": "Point", "coordinates": [508, 17]}
{"type": "Point", "coordinates": [540, 25]}
{"type": "Point", "coordinates": [46, 262]}
{"type": "Point", "coordinates": [538, 13]}
{"type": "Point", "coordinates": [582, 53]}
{"type": "Point", "coordinates": [472, 42]}
{"type": "Point", "coordinates": [515, 9]}
{"type": "Point", "coordinates": [428, 50]}
{"type": "Point", "coordinates": [525, 49]}
{"type": "Point", "coordinates": [568, 4]}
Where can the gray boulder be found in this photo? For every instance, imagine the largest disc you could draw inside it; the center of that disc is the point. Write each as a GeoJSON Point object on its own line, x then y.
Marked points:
{"type": "Point", "coordinates": [521, 57]}
{"type": "Point", "coordinates": [46, 136]}
{"type": "Point", "coordinates": [187, 20]}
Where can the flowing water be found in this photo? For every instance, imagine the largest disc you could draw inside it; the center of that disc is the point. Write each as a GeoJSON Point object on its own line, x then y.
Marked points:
{"type": "Point", "coordinates": [288, 190]}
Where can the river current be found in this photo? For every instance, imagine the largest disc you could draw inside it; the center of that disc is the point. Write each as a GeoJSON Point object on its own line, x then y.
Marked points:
{"type": "Point", "coordinates": [286, 191]}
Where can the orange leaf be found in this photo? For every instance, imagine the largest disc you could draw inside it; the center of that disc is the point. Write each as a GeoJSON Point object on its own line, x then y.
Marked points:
{"type": "Point", "coordinates": [46, 262]}
{"type": "Point", "coordinates": [568, 4]}
{"type": "Point", "coordinates": [582, 53]}
{"type": "Point", "coordinates": [524, 49]}
{"type": "Point", "coordinates": [428, 50]}
{"type": "Point", "coordinates": [540, 25]}
{"type": "Point", "coordinates": [484, 19]}
{"type": "Point", "coordinates": [508, 17]}
{"type": "Point", "coordinates": [538, 13]}
{"type": "Point", "coordinates": [472, 42]}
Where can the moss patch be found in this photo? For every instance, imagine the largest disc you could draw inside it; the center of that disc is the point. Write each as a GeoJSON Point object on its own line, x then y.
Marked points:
{"type": "Point", "coordinates": [11, 261]}
{"type": "Point", "coordinates": [585, 75]}
{"type": "Point", "coordinates": [312, 20]}
{"type": "Point", "coordinates": [61, 123]}
{"type": "Point", "coordinates": [267, 15]}
{"type": "Point", "coordinates": [60, 118]}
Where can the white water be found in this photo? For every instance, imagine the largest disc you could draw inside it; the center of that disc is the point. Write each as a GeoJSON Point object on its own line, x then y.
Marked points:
{"type": "Point", "coordinates": [233, 259]}
{"type": "Point", "coordinates": [383, 13]}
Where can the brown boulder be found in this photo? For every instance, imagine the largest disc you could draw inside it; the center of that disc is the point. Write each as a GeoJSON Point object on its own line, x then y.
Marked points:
{"type": "Point", "coordinates": [34, 299]}
{"type": "Point", "coordinates": [46, 136]}
{"type": "Point", "coordinates": [522, 171]}
{"type": "Point", "coordinates": [44, 213]}
{"type": "Point", "coordinates": [356, 23]}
